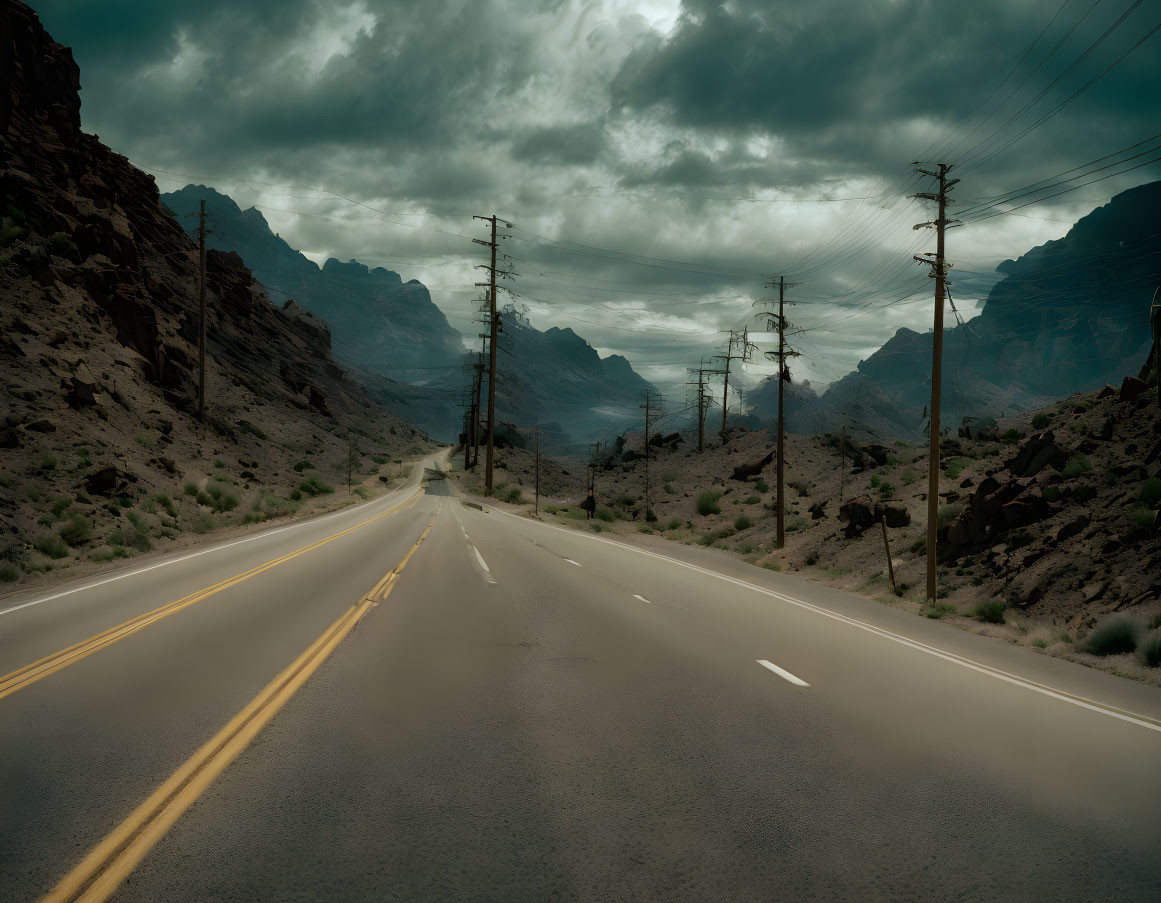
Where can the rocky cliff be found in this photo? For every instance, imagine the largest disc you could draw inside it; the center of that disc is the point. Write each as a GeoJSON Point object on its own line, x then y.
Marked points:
{"type": "Point", "coordinates": [98, 332]}
{"type": "Point", "coordinates": [379, 322]}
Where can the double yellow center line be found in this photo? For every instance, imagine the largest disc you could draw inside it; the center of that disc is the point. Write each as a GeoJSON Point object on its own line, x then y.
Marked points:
{"type": "Point", "coordinates": [30, 674]}
{"type": "Point", "coordinates": [110, 862]}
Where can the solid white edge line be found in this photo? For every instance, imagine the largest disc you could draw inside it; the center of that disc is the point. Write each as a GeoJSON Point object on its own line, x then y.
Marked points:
{"type": "Point", "coordinates": [1139, 720]}
{"type": "Point", "coordinates": [570, 561]}
{"type": "Point", "coordinates": [198, 554]}
{"type": "Point", "coordinates": [642, 598]}
{"type": "Point", "coordinates": [484, 565]}
{"type": "Point", "coordinates": [783, 673]}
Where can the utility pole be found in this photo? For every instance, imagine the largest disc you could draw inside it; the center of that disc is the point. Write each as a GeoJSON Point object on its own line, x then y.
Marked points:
{"type": "Point", "coordinates": [939, 273]}
{"type": "Point", "coordinates": [493, 328]}
{"type": "Point", "coordinates": [783, 377]}
{"type": "Point", "coordinates": [202, 311]}
{"type": "Point", "coordinates": [646, 408]}
{"type": "Point", "coordinates": [1155, 319]}
{"type": "Point", "coordinates": [476, 406]}
{"type": "Point", "coordinates": [703, 401]}
{"type": "Point", "coordinates": [536, 509]}
{"type": "Point", "coordinates": [739, 339]}
{"type": "Point", "coordinates": [350, 461]}
{"type": "Point", "coordinates": [843, 465]}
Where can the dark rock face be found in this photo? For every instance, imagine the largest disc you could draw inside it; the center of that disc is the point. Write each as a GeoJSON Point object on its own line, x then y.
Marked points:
{"type": "Point", "coordinates": [378, 321]}
{"type": "Point", "coordinates": [858, 515]}
{"type": "Point", "coordinates": [1035, 454]}
{"type": "Point", "coordinates": [745, 471]}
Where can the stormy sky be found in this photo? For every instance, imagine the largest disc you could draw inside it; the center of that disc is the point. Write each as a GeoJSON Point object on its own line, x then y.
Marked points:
{"type": "Point", "coordinates": [656, 160]}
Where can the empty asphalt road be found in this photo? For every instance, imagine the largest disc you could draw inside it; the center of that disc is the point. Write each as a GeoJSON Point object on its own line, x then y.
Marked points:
{"type": "Point", "coordinates": [416, 699]}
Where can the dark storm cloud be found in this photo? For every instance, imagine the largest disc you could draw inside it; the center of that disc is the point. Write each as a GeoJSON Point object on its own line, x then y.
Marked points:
{"type": "Point", "coordinates": [674, 131]}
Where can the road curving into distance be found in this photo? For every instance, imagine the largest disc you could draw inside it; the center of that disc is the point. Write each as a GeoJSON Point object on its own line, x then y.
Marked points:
{"type": "Point", "coordinates": [440, 702]}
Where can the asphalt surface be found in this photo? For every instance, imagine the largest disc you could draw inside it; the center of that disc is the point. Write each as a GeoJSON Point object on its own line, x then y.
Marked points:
{"type": "Point", "coordinates": [535, 713]}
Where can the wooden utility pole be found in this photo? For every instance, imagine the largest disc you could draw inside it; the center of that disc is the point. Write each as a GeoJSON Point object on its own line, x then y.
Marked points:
{"type": "Point", "coordinates": [843, 465]}
{"type": "Point", "coordinates": [780, 357]}
{"type": "Point", "coordinates": [1155, 320]}
{"type": "Point", "coordinates": [536, 509]}
{"type": "Point", "coordinates": [939, 273]}
{"type": "Point", "coordinates": [350, 461]}
{"type": "Point", "coordinates": [493, 329]}
{"type": "Point", "coordinates": [739, 340]}
{"type": "Point", "coordinates": [202, 311]}
{"type": "Point", "coordinates": [647, 410]}
{"type": "Point", "coordinates": [702, 401]}
{"type": "Point", "coordinates": [476, 409]}
{"type": "Point", "coordinates": [887, 551]}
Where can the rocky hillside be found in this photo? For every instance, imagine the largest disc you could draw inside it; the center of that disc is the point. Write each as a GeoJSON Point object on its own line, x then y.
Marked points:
{"type": "Point", "coordinates": [379, 322]}
{"type": "Point", "coordinates": [1066, 317]}
{"type": "Point", "coordinates": [1051, 521]}
{"type": "Point", "coordinates": [102, 454]}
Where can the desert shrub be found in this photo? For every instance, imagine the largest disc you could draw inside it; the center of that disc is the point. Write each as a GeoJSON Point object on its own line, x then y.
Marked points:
{"type": "Point", "coordinates": [948, 513]}
{"type": "Point", "coordinates": [61, 505]}
{"type": "Point", "coordinates": [551, 509]}
{"type": "Point", "coordinates": [942, 609]}
{"type": "Point", "coordinates": [219, 463]}
{"type": "Point", "coordinates": [741, 522]}
{"type": "Point", "coordinates": [512, 496]}
{"type": "Point", "coordinates": [50, 545]}
{"type": "Point", "coordinates": [47, 462]}
{"type": "Point", "coordinates": [1051, 494]}
{"type": "Point", "coordinates": [875, 480]}
{"type": "Point", "coordinates": [772, 565]}
{"type": "Point", "coordinates": [1019, 539]}
{"type": "Point", "coordinates": [145, 441]}
{"type": "Point", "coordinates": [296, 496]}
{"type": "Point", "coordinates": [762, 486]}
{"type": "Point", "coordinates": [303, 465]}
{"type": "Point", "coordinates": [991, 611]}
{"type": "Point", "coordinates": [625, 501]}
{"type": "Point", "coordinates": [6, 480]}
{"type": "Point", "coordinates": [1077, 465]}
{"type": "Point", "coordinates": [605, 514]}
{"type": "Point", "coordinates": [954, 467]}
{"type": "Point", "coordinates": [1040, 421]}
{"type": "Point", "coordinates": [203, 523]}
{"type": "Point", "coordinates": [752, 500]}
{"type": "Point", "coordinates": [812, 559]}
{"type": "Point", "coordinates": [669, 490]}
{"type": "Point", "coordinates": [600, 528]}
{"type": "Point", "coordinates": [379, 459]}
{"type": "Point", "coordinates": [313, 486]}
{"type": "Point", "coordinates": [190, 489]}
{"type": "Point", "coordinates": [644, 528]}
{"type": "Point", "coordinates": [708, 539]}
{"type": "Point", "coordinates": [796, 524]}
{"type": "Point", "coordinates": [919, 547]}
{"type": "Point", "coordinates": [166, 502]}
{"type": "Point", "coordinates": [1150, 493]}
{"type": "Point", "coordinates": [886, 490]}
{"type": "Point", "coordinates": [909, 476]}
{"type": "Point", "coordinates": [1148, 650]}
{"type": "Point", "coordinates": [1112, 635]}
{"type": "Point", "coordinates": [674, 524]}
{"type": "Point", "coordinates": [9, 573]}
{"type": "Point", "coordinates": [414, 450]}
{"type": "Point", "coordinates": [801, 485]}
{"type": "Point", "coordinates": [1012, 436]}
{"type": "Point", "coordinates": [362, 492]}
{"type": "Point", "coordinates": [707, 503]}
{"type": "Point", "coordinates": [1142, 518]}
{"type": "Point", "coordinates": [76, 531]}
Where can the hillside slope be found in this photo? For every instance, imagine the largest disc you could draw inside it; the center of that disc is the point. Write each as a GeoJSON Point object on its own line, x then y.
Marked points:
{"type": "Point", "coordinates": [102, 453]}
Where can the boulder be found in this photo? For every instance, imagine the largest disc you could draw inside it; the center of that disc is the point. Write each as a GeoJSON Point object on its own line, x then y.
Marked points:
{"type": "Point", "coordinates": [896, 516]}
{"type": "Point", "coordinates": [1035, 454]}
{"type": "Point", "coordinates": [1107, 392]}
{"type": "Point", "coordinates": [79, 392]}
{"type": "Point", "coordinates": [817, 511]}
{"type": "Point", "coordinates": [1131, 387]}
{"type": "Point", "coordinates": [1030, 508]}
{"type": "Point", "coordinates": [744, 471]}
{"type": "Point", "coordinates": [42, 426]}
{"type": "Point", "coordinates": [858, 514]}
{"type": "Point", "coordinates": [106, 481]}
{"type": "Point", "coordinates": [9, 439]}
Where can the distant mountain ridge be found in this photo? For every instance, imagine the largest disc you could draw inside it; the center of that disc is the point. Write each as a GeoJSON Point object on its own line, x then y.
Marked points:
{"type": "Point", "coordinates": [377, 320]}
{"type": "Point", "coordinates": [1066, 317]}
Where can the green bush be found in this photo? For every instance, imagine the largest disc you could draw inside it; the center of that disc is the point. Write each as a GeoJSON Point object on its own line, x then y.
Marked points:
{"type": "Point", "coordinates": [919, 547]}
{"type": "Point", "coordinates": [948, 513]}
{"type": "Point", "coordinates": [51, 545]}
{"type": "Point", "coordinates": [9, 573]}
{"type": "Point", "coordinates": [313, 486]}
{"type": "Point", "coordinates": [166, 502]}
{"type": "Point", "coordinates": [1148, 650]}
{"type": "Point", "coordinates": [203, 523]}
{"type": "Point", "coordinates": [303, 465]}
{"type": "Point", "coordinates": [762, 486]}
{"type": "Point", "coordinates": [954, 467]}
{"type": "Point", "coordinates": [752, 500]}
{"type": "Point", "coordinates": [1077, 465]}
{"type": "Point", "coordinates": [191, 489]}
{"type": "Point", "coordinates": [886, 490]}
{"type": "Point", "coordinates": [909, 476]}
{"type": "Point", "coordinates": [741, 522]}
{"type": "Point", "coordinates": [674, 524]}
{"type": "Point", "coordinates": [1040, 421]}
{"type": "Point", "coordinates": [76, 531]}
{"type": "Point", "coordinates": [1150, 493]}
{"type": "Point", "coordinates": [512, 496]}
{"type": "Point", "coordinates": [1113, 635]}
{"type": "Point", "coordinates": [942, 609]}
{"type": "Point", "coordinates": [6, 480]}
{"type": "Point", "coordinates": [606, 515]}
{"type": "Point", "coordinates": [991, 611]}
{"type": "Point", "coordinates": [47, 462]}
{"type": "Point", "coordinates": [707, 503]}
{"type": "Point", "coordinates": [61, 505]}
{"type": "Point", "coordinates": [1012, 436]}
{"type": "Point", "coordinates": [875, 480]}
{"type": "Point", "coordinates": [1142, 518]}
{"type": "Point", "coordinates": [644, 528]}
{"type": "Point", "coordinates": [219, 463]}
{"type": "Point", "coordinates": [600, 528]}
